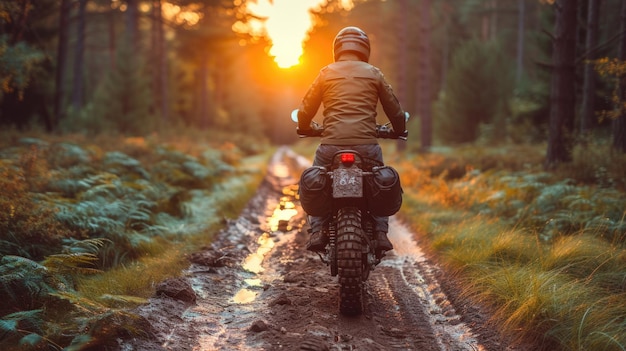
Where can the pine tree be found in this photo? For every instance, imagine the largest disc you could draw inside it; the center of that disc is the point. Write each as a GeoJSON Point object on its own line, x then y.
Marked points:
{"type": "Point", "coordinates": [123, 99]}
{"type": "Point", "coordinates": [478, 85]}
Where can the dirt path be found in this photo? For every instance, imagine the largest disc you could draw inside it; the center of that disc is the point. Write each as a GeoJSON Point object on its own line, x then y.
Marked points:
{"type": "Point", "coordinates": [256, 288]}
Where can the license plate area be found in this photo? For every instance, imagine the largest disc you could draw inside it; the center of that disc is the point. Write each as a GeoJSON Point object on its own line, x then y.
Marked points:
{"type": "Point", "coordinates": [347, 182]}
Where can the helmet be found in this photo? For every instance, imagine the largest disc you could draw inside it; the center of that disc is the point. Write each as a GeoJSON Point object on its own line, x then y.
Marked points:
{"type": "Point", "coordinates": [352, 39]}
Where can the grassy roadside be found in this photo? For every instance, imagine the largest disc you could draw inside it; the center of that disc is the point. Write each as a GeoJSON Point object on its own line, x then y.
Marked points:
{"type": "Point", "coordinates": [546, 252]}
{"type": "Point", "coordinates": [167, 257]}
{"type": "Point", "coordinates": [90, 225]}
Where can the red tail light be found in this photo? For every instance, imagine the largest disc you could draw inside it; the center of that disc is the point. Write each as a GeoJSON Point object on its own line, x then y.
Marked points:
{"type": "Point", "coordinates": [347, 159]}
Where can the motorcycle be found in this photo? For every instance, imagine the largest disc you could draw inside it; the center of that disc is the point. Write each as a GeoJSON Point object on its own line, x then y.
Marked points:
{"type": "Point", "coordinates": [350, 191]}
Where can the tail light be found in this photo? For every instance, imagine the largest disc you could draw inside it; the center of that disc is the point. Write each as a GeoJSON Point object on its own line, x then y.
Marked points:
{"type": "Point", "coordinates": [347, 159]}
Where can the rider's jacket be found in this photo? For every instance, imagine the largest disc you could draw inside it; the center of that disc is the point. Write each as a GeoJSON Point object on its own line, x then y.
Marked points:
{"type": "Point", "coordinates": [350, 90]}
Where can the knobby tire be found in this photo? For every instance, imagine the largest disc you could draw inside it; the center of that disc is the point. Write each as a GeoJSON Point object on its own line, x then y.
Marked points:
{"type": "Point", "coordinates": [349, 261]}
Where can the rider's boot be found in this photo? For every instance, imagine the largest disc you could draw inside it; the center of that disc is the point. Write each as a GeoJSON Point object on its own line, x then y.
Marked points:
{"type": "Point", "coordinates": [383, 242]}
{"type": "Point", "coordinates": [317, 241]}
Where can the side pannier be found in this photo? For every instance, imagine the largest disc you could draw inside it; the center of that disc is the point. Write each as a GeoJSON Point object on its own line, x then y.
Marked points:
{"type": "Point", "coordinates": [383, 191]}
{"type": "Point", "coordinates": [315, 192]}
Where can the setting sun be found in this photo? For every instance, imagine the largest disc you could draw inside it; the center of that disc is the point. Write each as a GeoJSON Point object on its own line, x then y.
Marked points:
{"type": "Point", "coordinates": [286, 23]}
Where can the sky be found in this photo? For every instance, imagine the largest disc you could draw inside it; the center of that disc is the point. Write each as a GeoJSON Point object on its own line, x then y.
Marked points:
{"type": "Point", "coordinates": [287, 24]}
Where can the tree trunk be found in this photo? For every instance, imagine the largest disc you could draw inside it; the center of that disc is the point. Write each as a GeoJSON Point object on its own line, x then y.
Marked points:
{"type": "Point", "coordinates": [424, 109]}
{"type": "Point", "coordinates": [112, 41]}
{"type": "Point", "coordinates": [494, 20]}
{"type": "Point", "coordinates": [521, 24]}
{"type": "Point", "coordinates": [403, 33]}
{"type": "Point", "coordinates": [619, 124]}
{"type": "Point", "coordinates": [132, 24]}
{"type": "Point", "coordinates": [161, 56]}
{"type": "Point", "coordinates": [59, 94]}
{"type": "Point", "coordinates": [562, 91]}
{"type": "Point", "coordinates": [203, 91]}
{"type": "Point", "coordinates": [155, 55]}
{"type": "Point", "coordinates": [21, 22]}
{"type": "Point", "coordinates": [445, 50]}
{"type": "Point", "coordinates": [163, 72]}
{"type": "Point", "coordinates": [79, 53]}
{"type": "Point", "coordinates": [589, 87]}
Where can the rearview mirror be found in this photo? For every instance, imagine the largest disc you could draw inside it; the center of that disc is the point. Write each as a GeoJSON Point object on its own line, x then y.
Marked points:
{"type": "Point", "coordinates": [294, 115]}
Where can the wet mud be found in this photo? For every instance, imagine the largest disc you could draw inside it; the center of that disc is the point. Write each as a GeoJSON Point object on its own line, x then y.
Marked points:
{"type": "Point", "coordinates": [257, 288]}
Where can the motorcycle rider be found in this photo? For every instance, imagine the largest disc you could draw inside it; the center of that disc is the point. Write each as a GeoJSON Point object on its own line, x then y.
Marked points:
{"type": "Point", "coordinates": [350, 89]}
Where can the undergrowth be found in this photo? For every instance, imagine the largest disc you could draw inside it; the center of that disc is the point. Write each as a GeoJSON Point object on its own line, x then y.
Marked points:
{"type": "Point", "coordinates": [545, 251]}
{"type": "Point", "coordinates": [88, 227]}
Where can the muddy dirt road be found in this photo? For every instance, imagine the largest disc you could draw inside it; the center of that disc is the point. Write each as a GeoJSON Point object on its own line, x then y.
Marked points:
{"type": "Point", "coordinates": [256, 288]}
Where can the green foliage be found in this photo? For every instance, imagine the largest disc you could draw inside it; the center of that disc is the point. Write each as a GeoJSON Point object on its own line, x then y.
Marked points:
{"type": "Point", "coordinates": [22, 328]}
{"type": "Point", "coordinates": [28, 284]}
{"type": "Point", "coordinates": [477, 91]}
{"type": "Point", "coordinates": [543, 203]}
{"type": "Point", "coordinates": [614, 71]}
{"type": "Point", "coordinates": [123, 98]}
{"type": "Point", "coordinates": [18, 64]}
{"type": "Point", "coordinates": [118, 212]}
{"type": "Point", "coordinates": [24, 283]}
{"type": "Point", "coordinates": [26, 228]}
{"type": "Point", "coordinates": [76, 259]}
{"type": "Point", "coordinates": [88, 120]}
{"type": "Point", "coordinates": [97, 325]}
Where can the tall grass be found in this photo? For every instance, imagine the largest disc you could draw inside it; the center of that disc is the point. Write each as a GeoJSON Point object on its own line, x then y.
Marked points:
{"type": "Point", "coordinates": [546, 254]}
{"type": "Point", "coordinates": [129, 284]}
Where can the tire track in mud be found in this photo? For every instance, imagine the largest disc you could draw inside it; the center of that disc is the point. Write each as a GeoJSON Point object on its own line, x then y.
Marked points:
{"type": "Point", "coordinates": [257, 288]}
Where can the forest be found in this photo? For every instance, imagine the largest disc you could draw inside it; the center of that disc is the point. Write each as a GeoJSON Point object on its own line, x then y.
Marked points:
{"type": "Point", "coordinates": [118, 117]}
{"type": "Point", "coordinates": [535, 71]}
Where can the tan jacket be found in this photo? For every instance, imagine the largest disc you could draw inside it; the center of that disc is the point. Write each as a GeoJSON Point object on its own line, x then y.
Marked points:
{"type": "Point", "coordinates": [350, 91]}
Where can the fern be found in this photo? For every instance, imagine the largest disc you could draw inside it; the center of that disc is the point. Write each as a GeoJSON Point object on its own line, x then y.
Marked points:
{"type": "Point", "coordinates": [11, 246]}
{"type": "Point", "coordinates": [84, 246]}
{"type": "Point", "coordinates": [108, 191]}
{"type": "Point", "coordinates": [551, 196]}
{"type": "Point", "coordinates": [196, 170]}
{"type": "Point", "coordinates": [22, 328]}
{"type": "Point", "coordinates": [31, 340]}
{"type": "Point", "coordinates": [155, 230]}
{"type": "Point", "coordinates": [71, 264]}
{"type": "Point", "coordinates": [87, 306]}
{"type": "Point", "coordinates": [122, 299]}
{"type": "Point", "coordinates": [102, 323]}
{"type": "Point", "coordinates": [30, 317]}
{"type": "Point", "coordinates": [23, 282]}
{"type": "Point", "coordinates": [74, 183]}
{"type": "Point", "coordinates": [119, 163]}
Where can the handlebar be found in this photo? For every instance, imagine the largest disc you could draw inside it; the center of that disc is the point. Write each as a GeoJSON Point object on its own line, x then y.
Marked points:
{"type": "Point", "coordinates": [383, 131]}
{"type": "Point", "coordinates": [315, 131]}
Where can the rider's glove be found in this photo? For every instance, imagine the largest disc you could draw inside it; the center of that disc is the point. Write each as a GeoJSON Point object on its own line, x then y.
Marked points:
{"type": "Point", "coordinates": [315, 130]}
{"type": "Point", "coordinates": [402, 135]}
{"type": "Point", "coordinates": [386, 132]}
{"type": "Point", "coordinates": [383, 131]}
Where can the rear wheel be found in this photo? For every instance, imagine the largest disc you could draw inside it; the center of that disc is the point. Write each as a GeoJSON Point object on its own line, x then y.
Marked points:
{"type": "Point", "coordinates": [349, 261]}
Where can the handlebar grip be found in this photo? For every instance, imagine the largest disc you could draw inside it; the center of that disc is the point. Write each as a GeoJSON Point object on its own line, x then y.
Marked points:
{"type": "Point", "coordinates": [309, 132]}
{"type": "Point", "coordinates": [386, 132]}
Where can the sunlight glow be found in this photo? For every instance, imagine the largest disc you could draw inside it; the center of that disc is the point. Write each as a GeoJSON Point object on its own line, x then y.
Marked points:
{"type": "Point", "coordinates": [286, 23]}
{"type": "Point", "coordinates": [253, 262]}
{"type": "Point", "coordinates": [188, 16]}
{"type": "Point", "coordinates": [244, 296]}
